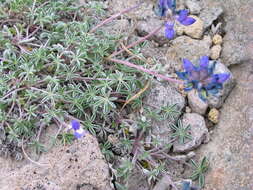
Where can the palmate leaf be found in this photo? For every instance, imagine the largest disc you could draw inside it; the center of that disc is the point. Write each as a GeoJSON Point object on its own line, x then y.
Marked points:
{"type": "Point", "coordinates": [181, 132]}
{"type": "Point", "coordinates": [170, 111]}
{"type": "Point", "coordinates": [199, 170]}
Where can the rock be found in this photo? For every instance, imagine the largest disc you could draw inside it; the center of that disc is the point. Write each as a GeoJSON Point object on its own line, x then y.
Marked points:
{"type": "Point", "coordinates": [117, 27]}
{"type": "Point", "coordinates": [154, 54]}
{"type": "Point", "coordinates": [197, 105]}
{"type": "Point", "coordinates": [193, 6]}
{"type": "Point", "coordinates": [198, 131]}
{"type": "Point", "coordinates": [186, 47]}
{"type": "Point", "coordinates": [163, 184]}
{"type": "Point", "coordinates": [162, 94]}
{"type": "Point", "coordinates": [210, 14]}
{"type": "Point", "coordinates": [229, 136]}
{"type": "Point", "coordinates": [217, 39]}
{"type": "Point", "coordinates": [179, 29]}
{"type": "Point", "coordinates": [234, 136]}
{"type": "Point", "coordinates": [215, 52]}
{"type": "Point", "coordinates": [195, 30]}
{"type": "Point", "coordinates": [64, 167]}
{"type": "Point", "coordinates": [213, 115]}
{"type": "Point", "coordinates": [237, 43]}
{"type": "Point", "coordinates": [188, 109]}
{"type": "Point", "coordinates": [138, 181]}
{"type": "Point", "coordinates": [145, 11]}
{"type": "Point", "coordinates": [234, 52]}
{"type": "Point", "coordinates": [216, 101]}
{"type": "Point", "coordinates": [144, 27]}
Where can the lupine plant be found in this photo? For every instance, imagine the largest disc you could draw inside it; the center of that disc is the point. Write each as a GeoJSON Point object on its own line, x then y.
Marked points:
{"type": "Point", "coordinates": [202, 78]}
{"type": "Point", "coordinates": [167, 9]}
{"type": "Point", "coordinates": [58, 65]}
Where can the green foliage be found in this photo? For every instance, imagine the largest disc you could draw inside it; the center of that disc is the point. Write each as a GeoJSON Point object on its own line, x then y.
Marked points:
{"type": "Point", "coordinates": [106, 150]}
{"type": "Point", "coordinates": [170, 111]}
{"type": "Point", "coordinates": [66, 138]}
{"type": "Point", "coordinates": [181, 132]}
{"type": "Point", "coordinates": [155, 172]}
{"type": "Point", "coordinates": [199, 171]}
{"type": "Point", "coordinates": [52, 68]}
{"type": "Point", "coordinates": [37, 146]}
{"type": "Point", "coordinates": [125, 169]}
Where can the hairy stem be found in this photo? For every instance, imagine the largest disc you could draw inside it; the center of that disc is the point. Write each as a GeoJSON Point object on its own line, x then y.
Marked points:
{"type": "Point", "coordinates": [115, 16]}
{"type": "Point", "coordinates": [137, 42]}
{"type": "Point", "coordinates": [140, 68]}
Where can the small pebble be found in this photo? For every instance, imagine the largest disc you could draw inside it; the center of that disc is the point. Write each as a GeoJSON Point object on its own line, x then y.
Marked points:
{"type": "Point", "coordinates": [188, 109]}
{"type": "Point", "coordinates": [217, 39]}
{"type": "Point", "coordinates": [181, 90]}
{"type": "Point", "coordinates": [195, 30]}
{"type": "Point", "coordinates": [215, 52]}
{"type": "Point", "coordinates": [213, 115]}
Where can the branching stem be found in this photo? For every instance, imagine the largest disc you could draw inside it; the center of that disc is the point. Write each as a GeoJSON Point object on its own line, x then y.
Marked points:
{"type": "Point", "coordinates": [115, 16]}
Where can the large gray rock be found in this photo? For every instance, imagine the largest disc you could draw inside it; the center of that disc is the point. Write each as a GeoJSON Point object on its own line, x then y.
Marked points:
{"type": "Point", "coordinates": [210, 14]}
{"type": "Point", "coordinates": [233, 52]}
{"type": "Point", "coordinates": [198, 131]}
{"type": "Point", "coordinates": [237, 43]}
{"type": "Point", "coordinates": [193, 6]}
{"type": "Point", "coordinates": [162, 94]}
{"type": "Point", "coordinates": [64, 167]}
{"type": "Point", "coordinates": [185, 47]}
{"type": "Point", "coordinates": [218, 99]}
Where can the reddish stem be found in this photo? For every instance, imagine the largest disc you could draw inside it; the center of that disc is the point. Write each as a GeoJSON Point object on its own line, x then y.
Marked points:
{"type": "Point", "coordinates": [137, 42]}
{"type": "Point", "coordinates": [140, 68]}
{"type": "Point", "coordinates": [115, 16]}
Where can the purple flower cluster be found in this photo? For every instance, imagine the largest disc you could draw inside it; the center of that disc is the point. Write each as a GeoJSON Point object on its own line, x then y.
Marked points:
{"type": "Point", "coordinates": [78, 130]}
{"type": "Point", "coordinates": [181, 16]}
{"type": "Point", "coordinates": [202, 78]}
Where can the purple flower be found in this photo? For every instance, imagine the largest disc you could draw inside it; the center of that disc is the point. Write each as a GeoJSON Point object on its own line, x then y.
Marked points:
{"type": "Point", "coordinates": [75, 125]}
{"type": "Point", "coordinates": [202, 78]}
{"type": "Point", "coordinates": [169, 30]}
{"type": "Point", "coordinates": [181, 16]}
{"type": "Point", "coordinates": [78, 131]}
{"type": "Point", "coordinates": [184, 19]}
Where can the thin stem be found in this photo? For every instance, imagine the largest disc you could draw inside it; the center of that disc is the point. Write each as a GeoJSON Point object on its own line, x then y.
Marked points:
{"type": "Point", "coordinates": [140, 68]}
{"type": "Point", "coordinates": [115, 16]}
{"type": "Point", "coordinates": [26, 155]}
{"type": "Point", "coordinates": [11, 92]}
{"type": "Point", "coordinates": [138, 41]}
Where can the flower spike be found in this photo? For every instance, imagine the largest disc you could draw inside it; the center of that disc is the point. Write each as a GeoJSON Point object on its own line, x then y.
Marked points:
{"type": "Point", "coordinates": [202, 78]}
{"type": "Point", "coordinates": [169, 30]}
